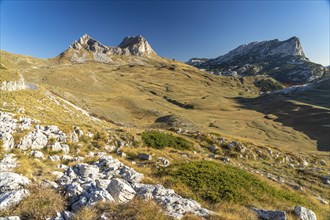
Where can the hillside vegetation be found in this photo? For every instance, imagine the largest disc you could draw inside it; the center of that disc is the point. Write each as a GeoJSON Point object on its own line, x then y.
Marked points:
{"type": "Point", "coordinates": [136, 95]}
{"type": "Point", "coordinates": [155, 138]}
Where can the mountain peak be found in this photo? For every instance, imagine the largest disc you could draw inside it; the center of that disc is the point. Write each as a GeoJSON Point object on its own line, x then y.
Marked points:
{"type": "Point", "coordinates": [87, 43]}
{"type": "Point", "coordinates": [130, 46]}
{"type": "Point", "coordinates": [284, 60]}
{"type": "Point", "coordinates": [289, 47]}
{"type": "Point", "coordinates": [137, 45]}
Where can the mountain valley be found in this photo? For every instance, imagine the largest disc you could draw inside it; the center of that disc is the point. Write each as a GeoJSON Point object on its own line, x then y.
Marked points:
{"type": "Point", "coordinates": [120, 127]}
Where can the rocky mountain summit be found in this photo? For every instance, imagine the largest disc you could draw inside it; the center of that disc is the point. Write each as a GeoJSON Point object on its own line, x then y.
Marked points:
{"type": "Point", "coordinates": [131, 46]}
{"type": "Point", "coordinates": [283, 60]}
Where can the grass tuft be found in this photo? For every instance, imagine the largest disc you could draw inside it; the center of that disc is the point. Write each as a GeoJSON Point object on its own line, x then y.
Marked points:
{"type": "Point", "coordinates": [41, 204]}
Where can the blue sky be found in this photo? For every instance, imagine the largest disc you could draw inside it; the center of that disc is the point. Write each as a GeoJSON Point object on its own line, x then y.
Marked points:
{"type": "Point", "coordinates": [175, 29]}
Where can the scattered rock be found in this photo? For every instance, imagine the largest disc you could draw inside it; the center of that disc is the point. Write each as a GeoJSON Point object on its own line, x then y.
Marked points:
{"type": "Point", "coordinates": [174, 204]}
{"type": "Point", "coordinates": [325, 179]}
{"type": "Point", "coordinates": [8, 163]}
{"type": "Point", "coordinates": [10, 218]}
{"type": "Point", "coordinates": [8, 142]}
{"type": "Point", "coordinates": [37, 154]}
{"type": "Point", "coordinates": [39, 137]}
{"type": "Point", "coordinates": [62, 167]}
{"type": "Point", "coordinates": [67, 158]}
{"type": "Point", "coordinates": [110, 148]}
{"type": "Point", "coordinates": [56, 147]}
{"type": "Point", "coordinates": [122, 154]}
{"type": "Point", "coordinates": [224, 159]}
{"type": "Point", "coordinates": [13, 85]}
{"type": "Point", "coordinates": [58, 174]}
{"type": "Point", "coordinates": [304, 214]}
{"type": "Point", "coordinates": [144, 156]}
{"type": "Point", "coordinates": [54, 158]}
{"type": "Point", "coordinates": [163, 162]}
{"type": "Point", "coordinates": [323, 201]}
{"type": "Point", "coordinates": [120, 190]}
{"type": "Point", "coordinates": [213, 156]}
{"type": "Point", "coordinates": [11, 189]}
{"type": "Point", "coordinates": [110, 180]}
{"type": "Point", "coordinates": [36, 140]}
{"type": "Point", "coordinates": [323, 163]}
{"type": "Point", "coordinates": [48, 183]}
{"type": "Point", "coordinates": [270, 214]}
{"type": "Point", "coordinates": [86, 170]}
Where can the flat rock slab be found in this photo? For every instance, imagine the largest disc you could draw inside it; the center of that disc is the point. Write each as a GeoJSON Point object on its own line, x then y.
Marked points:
{"type": "Point", "coordinates": [270, 214]}
{"type": "Point", "coordinates": [12, 181]}
{"type": "Point", "coordinates": [13, 197]}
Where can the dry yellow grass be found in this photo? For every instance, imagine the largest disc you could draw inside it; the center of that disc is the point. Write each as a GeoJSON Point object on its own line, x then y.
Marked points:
{"type": "Point", "coordinates": [135, 210]}
{"type": "Point", "coordinates": [42, 203]}
{"type": "Point", "coordinates": [133, 95]}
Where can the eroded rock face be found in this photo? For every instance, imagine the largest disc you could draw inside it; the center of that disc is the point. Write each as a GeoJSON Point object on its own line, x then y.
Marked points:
{"type": "Point", "coordinates": [130, 46]}
{"type": "Point", "coordinates": [13, 85]}
{"type": "Point", "coordinates": [12, 189]}
{"type": "Point", "coordinates": [110, 180]}
{"type": "Point", "coordinates": [285, 61]}
{"type": "Point", "coordinates": [137, 46]}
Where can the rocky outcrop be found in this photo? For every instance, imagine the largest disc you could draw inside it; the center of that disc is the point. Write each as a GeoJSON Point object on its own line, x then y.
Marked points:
{"type": "Point", "coordinates": [7, 127]}
{"type": "Point", "coordinates": [130, 46]}
{"type": "Point", "coordinates": [13, 85]}
{"type": "Point", "coordinates": [38, 138]}
{"type": "Point", "coordinates": [271, 57]}
{"type": "Point", "coordinates": [8, 163]}
{"type": "Point", "coordinates": [110, 180]}
{"type": "Point", "coordinates": [12, 189]}
{"type": "Point", "coordinates": [173, 204]}
{"type": "Point", "coordinates": [304, 214]}
{"type": "Point", "coordinates": [10, 218]}
{"type": "Point", "coordinates": [137, 46]}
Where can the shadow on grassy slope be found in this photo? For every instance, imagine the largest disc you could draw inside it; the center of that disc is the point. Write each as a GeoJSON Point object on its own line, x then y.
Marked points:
{"type": "Point", "coordinates": [308, 119]}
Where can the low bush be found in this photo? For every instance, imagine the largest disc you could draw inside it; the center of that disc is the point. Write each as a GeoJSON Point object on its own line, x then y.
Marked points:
{"type": "Point", "coordinates": [215, 182]}
{"type": "Point", "coordinates": [160, 140]}
{"type": "Point", "coordinates": [266, 85]}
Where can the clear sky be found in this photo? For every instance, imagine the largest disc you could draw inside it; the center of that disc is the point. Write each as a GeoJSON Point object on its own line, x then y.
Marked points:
{"type": "Point", "coordinates": [175, 29]}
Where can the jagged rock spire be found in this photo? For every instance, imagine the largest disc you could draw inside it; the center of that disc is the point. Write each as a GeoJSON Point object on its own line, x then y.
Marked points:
{"type": "Point", "coordinates": [136, 46]}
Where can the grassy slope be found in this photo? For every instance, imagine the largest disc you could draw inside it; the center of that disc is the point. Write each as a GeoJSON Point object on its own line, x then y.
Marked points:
{"type": "Point", "coordinates": [133, 95]}
{"type": "Point", "coordinates": [137, 97]}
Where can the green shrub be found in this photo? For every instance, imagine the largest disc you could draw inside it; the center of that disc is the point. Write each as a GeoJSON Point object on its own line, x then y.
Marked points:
{"type": "Point", "coordinates": [215, 182]}
{"type": "Point", "coordinates": [266, 85]}
{"type": "Point", "coordinates": [160, 140]}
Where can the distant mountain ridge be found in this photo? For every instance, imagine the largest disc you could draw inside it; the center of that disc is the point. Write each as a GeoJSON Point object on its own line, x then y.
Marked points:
{"type": "Point", "coordinates": [283, 60]}
{"type": "Point", "coordinates": [88, 49]}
